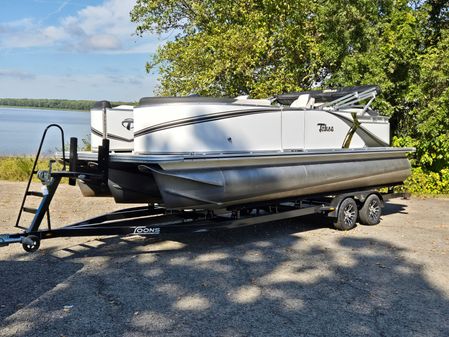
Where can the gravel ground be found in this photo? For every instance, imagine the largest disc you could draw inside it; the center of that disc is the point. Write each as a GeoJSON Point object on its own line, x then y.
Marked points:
{"type": "Point", "coordinates": [294, 278]}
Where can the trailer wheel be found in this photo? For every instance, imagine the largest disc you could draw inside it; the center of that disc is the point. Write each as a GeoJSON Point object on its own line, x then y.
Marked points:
{"type": "Point", "coordinates": [371, 211]}
{"type": "Point", "coordinates": [31, 243]}
{"type": "Point", "coordinates": [347, 215]}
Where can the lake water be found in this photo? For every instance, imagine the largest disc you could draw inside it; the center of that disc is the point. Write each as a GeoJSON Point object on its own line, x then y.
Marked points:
{"type": "Point", "coordinates": [21, 129]}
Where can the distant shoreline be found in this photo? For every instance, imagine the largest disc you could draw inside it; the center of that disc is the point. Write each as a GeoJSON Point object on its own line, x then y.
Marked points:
{"type": "Point", "coordinates": [38, 108]}
{"type": "Point", "coordinates": [52, 104]}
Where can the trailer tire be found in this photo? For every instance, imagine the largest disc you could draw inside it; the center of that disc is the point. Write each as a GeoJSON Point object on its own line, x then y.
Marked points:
{"type": "Point", "coordinates": [371, 211]}
{"type": "Point", "coordinates": [347, 215]}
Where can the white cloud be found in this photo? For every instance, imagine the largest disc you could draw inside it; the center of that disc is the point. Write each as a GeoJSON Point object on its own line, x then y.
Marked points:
{"type": "Point", "coordinates": [16, 74]}
{"type": "Point", "coordinates": [21, 34]}
{"type": "Point", "coordinates": [102, 42]}
{"type": "Point", "coordinates": [21, 24]}
{"type": "Point", "coordinates": [54, 33]}
{"type": "Point", "coordinates": [103, 28]}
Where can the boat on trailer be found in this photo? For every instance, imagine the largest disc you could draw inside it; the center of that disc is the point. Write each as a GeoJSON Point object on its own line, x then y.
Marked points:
{"type": "Point", "coordinates": [220, 162]}
{"type": "Point", "coordinates": [196, 152]}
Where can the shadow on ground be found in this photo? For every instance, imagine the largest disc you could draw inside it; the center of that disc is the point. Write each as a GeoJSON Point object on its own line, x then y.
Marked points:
{"type": "Point", "coordinates": [268, 280]}
{"type": "Point", "coordinates": [24, 281]}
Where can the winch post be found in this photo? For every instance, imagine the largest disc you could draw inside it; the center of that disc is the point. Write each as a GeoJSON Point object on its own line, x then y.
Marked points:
{"type": "Point", "coordinates": [103, 159]}
{"type": "Point", "coordinates": [103, 150]}
{"type": "Point", "coordinates": [73, 161]}
{"type": "Point", "coordinates": [105, 105]}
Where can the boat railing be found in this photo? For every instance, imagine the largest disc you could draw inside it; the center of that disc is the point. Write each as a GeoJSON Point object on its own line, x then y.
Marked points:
{"type": "Point", "coordinates": [351, 101]}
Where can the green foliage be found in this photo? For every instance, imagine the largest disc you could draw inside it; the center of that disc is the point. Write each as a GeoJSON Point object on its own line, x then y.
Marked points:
{"type": "Point", "coordinates": [429, 117]}
{"type": "Point", "coordinates": [421, 182]}
{"type": "Point", "coordinates": [245, 47]}
{"type": "Point", "coordinates": [19, 168]}
{"type": "Point", "coordinates": [87, 145]}
{"type": "Point", "coordinates": [62, 104]}
{"type": "Point", "coordinates": [264, 47]}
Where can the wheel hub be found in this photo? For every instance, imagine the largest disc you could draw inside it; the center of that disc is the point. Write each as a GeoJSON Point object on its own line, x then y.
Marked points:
{"type": "Point", "coordinates": [349, 214]}
{"type": "Point", "coordinates": [373, 210]}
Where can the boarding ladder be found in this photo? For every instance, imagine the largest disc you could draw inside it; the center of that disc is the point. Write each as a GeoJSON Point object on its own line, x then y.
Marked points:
{"type": "Point", "coordinates": [43, 208]}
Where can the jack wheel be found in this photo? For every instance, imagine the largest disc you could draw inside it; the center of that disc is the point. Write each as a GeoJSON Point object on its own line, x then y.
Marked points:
{"type": "Point", "coordinates": [31, 243]}
{"type": "Point", "coordinates": [347, 215]}
{"type": "Point", "coordinates": [371, 211]}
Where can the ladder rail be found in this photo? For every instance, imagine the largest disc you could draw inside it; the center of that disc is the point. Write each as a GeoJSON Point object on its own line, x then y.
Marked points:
{"type": "Point", "coordinates": [33, 170]}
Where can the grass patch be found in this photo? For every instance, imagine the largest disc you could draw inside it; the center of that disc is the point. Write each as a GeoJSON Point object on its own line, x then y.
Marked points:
{"type": "Point", "coordinates": [19, 168]}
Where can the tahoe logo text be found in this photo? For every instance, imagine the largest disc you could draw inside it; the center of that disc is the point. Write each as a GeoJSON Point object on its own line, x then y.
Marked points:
{"type": "Point", "coordinates": [324, 128]}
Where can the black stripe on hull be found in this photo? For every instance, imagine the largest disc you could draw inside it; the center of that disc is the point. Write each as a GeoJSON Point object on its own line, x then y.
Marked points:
{"type": "Point", "coordinates": [111, 136]}
{"type": "Point", "coordinates": [202, 119]}
{"type": "Point", "coordinates": [364, 134]}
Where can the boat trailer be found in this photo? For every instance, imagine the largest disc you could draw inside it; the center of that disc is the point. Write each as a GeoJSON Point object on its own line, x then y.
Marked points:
{"type": "Point", "coordinates": [156, 221]}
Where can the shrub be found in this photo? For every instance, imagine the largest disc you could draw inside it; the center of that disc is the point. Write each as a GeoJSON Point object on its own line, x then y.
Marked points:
{"type": "Point", "coordinates": [19, 168]}
{"type": "Point", "coordinates": [422, 182]}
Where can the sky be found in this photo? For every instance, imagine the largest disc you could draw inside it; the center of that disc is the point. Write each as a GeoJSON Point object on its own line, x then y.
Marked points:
{"type": "Point", "coordinates": [73, 49]}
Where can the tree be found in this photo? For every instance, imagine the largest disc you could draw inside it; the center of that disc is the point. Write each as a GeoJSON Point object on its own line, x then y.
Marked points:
{"type": "Point", "coordinates": [255, 47]}
{"type": "Point", "coordinates": [430, 90]}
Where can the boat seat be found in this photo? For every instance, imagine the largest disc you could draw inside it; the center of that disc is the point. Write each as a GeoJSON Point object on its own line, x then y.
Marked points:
{"type": "Point", "coordinates": [251, 101]}
{"type": "Point", "coordinates": [303, 101]}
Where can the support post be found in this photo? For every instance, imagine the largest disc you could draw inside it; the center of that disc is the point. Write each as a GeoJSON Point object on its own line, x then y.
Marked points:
{"type": "Point", "coordinates": [45, 204]}
{"type": "Point", "coordinates": [73, 163]}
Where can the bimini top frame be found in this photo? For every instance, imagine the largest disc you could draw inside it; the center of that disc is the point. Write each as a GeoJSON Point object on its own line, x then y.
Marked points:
{"type": "Point", "coordinates": [348, 98]}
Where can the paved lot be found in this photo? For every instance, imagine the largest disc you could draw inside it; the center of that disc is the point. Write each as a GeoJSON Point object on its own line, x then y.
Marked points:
{"type": "Point", "coordinates": [294, 278]}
